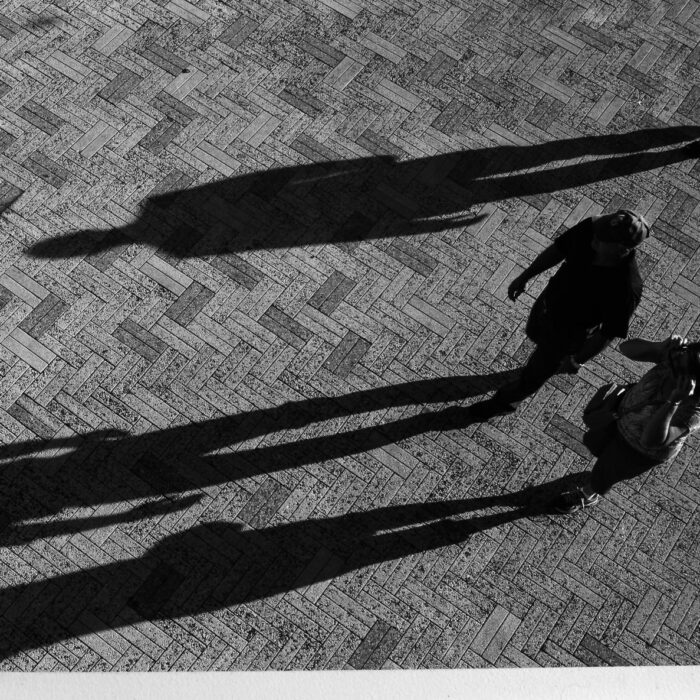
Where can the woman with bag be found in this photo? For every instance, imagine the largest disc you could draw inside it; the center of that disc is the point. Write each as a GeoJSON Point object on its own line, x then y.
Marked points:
{"type": "Point", "coordinates": [635, 428]}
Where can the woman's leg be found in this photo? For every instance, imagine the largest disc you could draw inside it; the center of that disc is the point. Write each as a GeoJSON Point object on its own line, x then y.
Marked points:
{"type": "Point", "coordinates": [618, 462]}
{"type": "Point", "coordinates": [597, 439]}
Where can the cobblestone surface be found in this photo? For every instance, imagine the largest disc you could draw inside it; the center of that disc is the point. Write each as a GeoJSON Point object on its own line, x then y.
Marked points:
{"type": "Point", "coordinates": [254, 259]}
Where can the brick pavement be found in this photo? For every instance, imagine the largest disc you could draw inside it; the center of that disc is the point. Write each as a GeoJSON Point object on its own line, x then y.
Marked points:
{"type": "Point", "coordinates": [253, 253]}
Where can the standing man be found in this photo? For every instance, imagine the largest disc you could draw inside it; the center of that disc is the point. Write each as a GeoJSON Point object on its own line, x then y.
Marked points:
{"type": "Point", "coordinates": [588, 302]}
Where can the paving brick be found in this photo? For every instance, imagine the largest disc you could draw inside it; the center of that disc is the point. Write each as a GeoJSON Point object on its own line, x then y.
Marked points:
{"type": "Point", "coordinates": [8, 28]}
{"type": "Point", "coordinates": [43, 316]}
{"type": "Point", "coordinates": [40, 117]}
{"type": "Point", "coordinates": [47, 169]}
{"type": "Point", "coordinates": [264, 504]}
{"type": "Point", "coordinates": [331, 293]}
{"type": "Point", "coordinates": [140, 340]}
{"type": "Point", "coordinates": [285, 327]}
{"type": "Point", "coordinates": [120, 86]}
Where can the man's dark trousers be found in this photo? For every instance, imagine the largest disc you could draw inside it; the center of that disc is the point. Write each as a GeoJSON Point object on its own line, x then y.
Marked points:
{"type": "Point", "coordinates": [551, 350]}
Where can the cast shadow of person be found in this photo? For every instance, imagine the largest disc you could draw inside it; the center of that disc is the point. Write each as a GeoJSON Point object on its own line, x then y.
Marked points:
{"type": "Point", "coordinates": [107, 467]}
{"type": "Point", "coordinates": [347, 201]}
{"type": "Point", "coordinates": [218, 566]}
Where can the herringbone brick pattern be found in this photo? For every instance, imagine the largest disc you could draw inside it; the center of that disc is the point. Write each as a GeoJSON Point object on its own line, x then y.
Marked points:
{"type": "Point", "coordinates": [254, 259]}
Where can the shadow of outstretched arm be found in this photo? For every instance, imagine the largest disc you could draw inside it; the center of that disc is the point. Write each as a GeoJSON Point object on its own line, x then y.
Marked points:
{"type": "Point", "coordinates": [219, 565]}
{"type": "Point", "coordinates": [28, 532]}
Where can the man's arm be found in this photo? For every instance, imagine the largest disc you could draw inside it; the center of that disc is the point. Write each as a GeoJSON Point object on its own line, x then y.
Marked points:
{"type": "Point", "coordinates": [549, 257]}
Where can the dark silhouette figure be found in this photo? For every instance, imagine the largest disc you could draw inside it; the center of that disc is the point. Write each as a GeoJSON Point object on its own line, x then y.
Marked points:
{"type": "Point", "coordinates": [348, 201]}
{"type": "Point", "coordinates": [109, 467]}
{"type": "Point", "coordinates": [219, 565]}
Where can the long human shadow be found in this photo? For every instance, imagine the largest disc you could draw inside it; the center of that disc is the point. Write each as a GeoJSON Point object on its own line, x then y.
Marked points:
{"type": "Point", "coordinates": [219, 565]}
{"type": "Point", "coordinates": [106, 467]}
{"type": "Point", "coordinates": [347, 201]}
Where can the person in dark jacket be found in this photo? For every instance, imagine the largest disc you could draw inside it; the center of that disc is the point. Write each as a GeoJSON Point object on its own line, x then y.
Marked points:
{"type": "Point", "coordinates": [588, 302]}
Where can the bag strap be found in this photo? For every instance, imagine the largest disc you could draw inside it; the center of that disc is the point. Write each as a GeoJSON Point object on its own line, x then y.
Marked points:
{"type": "Point", "coordinates": [637, 406]}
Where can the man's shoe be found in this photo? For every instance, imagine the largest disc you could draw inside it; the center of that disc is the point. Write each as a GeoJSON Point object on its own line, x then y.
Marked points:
{"type": "Point", "coordinates": [571, 501]}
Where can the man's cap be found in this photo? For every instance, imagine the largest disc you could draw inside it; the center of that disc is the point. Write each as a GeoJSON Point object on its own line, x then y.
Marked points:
{"type": "Point", "coordinates": [626, 227]}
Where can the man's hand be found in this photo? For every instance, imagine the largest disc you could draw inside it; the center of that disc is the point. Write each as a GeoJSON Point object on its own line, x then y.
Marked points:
{"type": "Point", "coordinates": [569, 365]}
{"type": "Point", "coordinates": [674, 342]}
{"type": "Point", "coordinates": [516, 288]}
